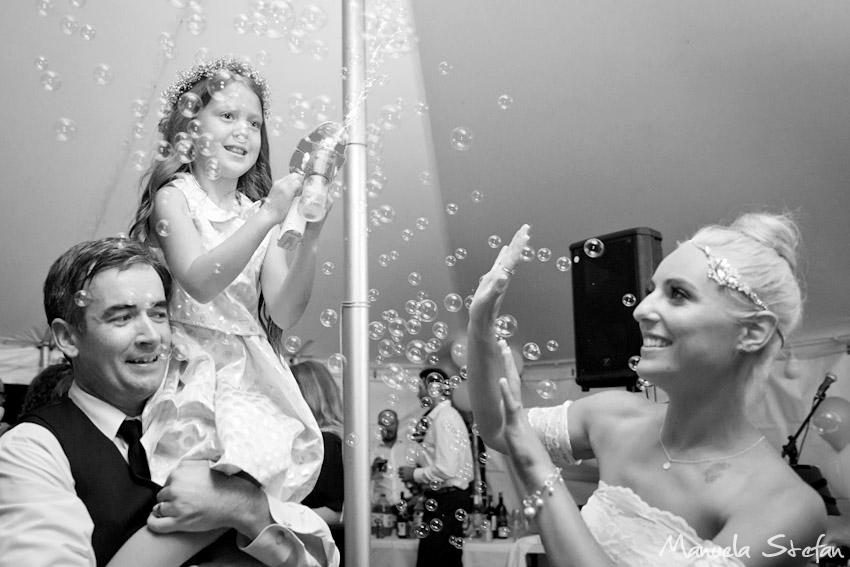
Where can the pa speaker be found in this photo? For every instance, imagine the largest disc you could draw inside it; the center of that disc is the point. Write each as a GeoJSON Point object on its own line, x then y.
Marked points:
{"type": "Point", "coordinates": [611, 274]}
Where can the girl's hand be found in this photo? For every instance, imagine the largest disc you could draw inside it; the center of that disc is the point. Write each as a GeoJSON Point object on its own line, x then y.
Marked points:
{"type": "Point", "coordinates": [492, 286]}
{"type": "Point", "coordinates": [283, 191]}
{"type": "Point", "coordinates": [523, 445]}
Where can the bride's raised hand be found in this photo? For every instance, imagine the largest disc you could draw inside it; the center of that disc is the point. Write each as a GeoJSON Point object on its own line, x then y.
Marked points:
{"type": "Point", "coordinates": [492, 285]}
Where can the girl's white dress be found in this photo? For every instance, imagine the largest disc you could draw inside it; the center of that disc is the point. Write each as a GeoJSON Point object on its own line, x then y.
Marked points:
{"type": "Point", "coordinates": [227, 397]}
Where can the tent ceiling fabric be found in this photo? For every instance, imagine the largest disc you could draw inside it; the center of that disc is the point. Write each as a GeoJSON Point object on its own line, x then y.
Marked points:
{"type": "Point", "coordinates": [663, 114]}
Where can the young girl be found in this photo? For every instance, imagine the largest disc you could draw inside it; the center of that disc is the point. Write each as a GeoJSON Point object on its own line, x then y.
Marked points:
{"type": "Point", "coordinates": [211, 208]}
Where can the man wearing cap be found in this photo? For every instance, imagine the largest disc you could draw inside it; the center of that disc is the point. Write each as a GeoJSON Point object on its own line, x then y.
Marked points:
{"type": "Point", "coordinates": [443, 469]}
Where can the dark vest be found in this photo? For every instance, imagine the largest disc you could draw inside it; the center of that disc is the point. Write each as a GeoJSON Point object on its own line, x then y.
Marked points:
{"type": "Point", "coordinates": [117, 504]}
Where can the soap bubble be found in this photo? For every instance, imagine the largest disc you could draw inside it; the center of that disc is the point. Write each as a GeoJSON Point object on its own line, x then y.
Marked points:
{"type": "Point", "coordinates": [69, 25]}
{"type": "Point", "coordinates": [451, 261]}
{"type": "Point", "coordinates": [414, 278]}
{"type": "Point", "coordinates": [204, 144]}
{"type": "Point", "coordinates": [196, 24]}
{"type": "Point", "coordinates": [102, 74]}
{"type": "Point", "coordinates": [526, 254]}
{"type": "Point", "coordinates": [460, 253]}
{"type": "Point", "coordinates": [420, 108]}
{"type": "Point", "coordinates": [563, 264]}
{"type": "Point", "coordinates": [377, 330]}
{"type": "Point", "coordinates": [163, 228]}
{"type": "Point", "coordinates": [406, 234]}
{"type": "Point", "coordinates": [163, 150]}
{"type": "Point", "coordinates": [384, 260]}
{"type": "Point", "coordinates": [427, 310]}
{"type": "Point", "coordinates": [65, 129]}
{"type": "Point", "coordinates": [185, 150]}
{"type": "Point", "coordinates": [445, 67]}
{"type": "Point", "coordinates": [421, 530]}
{"type": "Point", "coordinates": [328, 318]}
{"type": "Point", "coordinates": [440, 330]}
{"type": "Point", "coordinates": [88, 32]}
{"type": "Point", "coordinates": [413, 326]}
{"type": "Point", "coordinates": [392, 375]}
{"type": "Point", "coordinates": [276, 125]}
{"type": "Point", "coordinates": [460, 514]}
{"type": "Point", "coordinates": [189, 104]}
{"type": "Point", "coordinates": [505, 101]}
{"type": "Point", "coordinates": [318, 49]}
{"type": "Point", "coordinates": [82, 298]}
{"type": "Point", "coordinates": [633, 363]}
{"type": "Point", "coordinates": [425, 177]}
{"type": "Point", "coordinates": [336, 362]}
{"type": "Point", "coordinates": [506, 326]}
{"type": "Point", "coordinates": [421, 223]}
{"type": "Point", "coordinates": [544, 254]}
{"type": "Point", "coordinates": [44, 7]}
{"type": "Point", "coordinates": [328, 268]}
{"type": "Point", "coordinates": [213, 169]}
{"type": "Point", "coordinates": [217, 268]}
{"type": "Point", "coordinates": [373, 295]}
{"type": "Point", "coordinates": [41, 63]}
{"type": "Point", "coordinates": [352, 439]}
{"type": "Point", "coordinates": [451, 208]}
{"type": "Point", "coordinates": [431, 505]}
{"type": "Point", "coordinates": [426, 403]}
{"type": "Point", "coordinates": [415, 351]}
{"type": "Point", "coordinates": [390, 117]}
{"type": "Point", "coordinates": [483, 457]}
{"type": "Point", "coordinates": [242, 23]}
{"type": "Point", "coordinates": [552, 345]}
{"type": "Point", "coordinates": [195, 128]}
{"type": "Point", "coordinates": [138, 159]}
{"type": "Point", "coordinates": [138, 130]}
{"type": "Point", "coordinates": [594, 248]}
{"type": "Point", "coordinates": [629, 300]}
{"type": "Point", "coordinates": [546, 389]}
{"type": "Point", "coordinates": [436, 525]}
{"type": "Point", "coordinates": [477, 196]}
{"type": "Point", "coordinates": [494, 241]}
{"type": "Point", "coordinates": [461, 138]}
{"type": "Point", "coordinates": [313, 18]}
{"type": "Point", "coordinates": [292, 344]}
{"type": "Point", "coordinates": [218, 82]}
{"type": "Point", "coordinates": [51, 80]}
{"type": "Point", "coordinates": [531, 351]}
{"type": "Point", "coordinates": [453, 302]}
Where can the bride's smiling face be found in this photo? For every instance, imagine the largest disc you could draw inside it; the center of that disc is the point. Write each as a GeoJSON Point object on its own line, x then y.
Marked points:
{"type": "Point", "coordinates": [686, 320]}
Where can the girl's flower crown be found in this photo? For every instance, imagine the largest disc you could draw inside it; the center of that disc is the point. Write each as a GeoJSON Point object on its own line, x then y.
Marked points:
{"type": "Point", "coordinates": [188, 78]}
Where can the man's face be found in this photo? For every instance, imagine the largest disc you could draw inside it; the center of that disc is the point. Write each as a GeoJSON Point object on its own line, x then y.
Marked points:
{"type": "Point", "coordinates": [119, 356]}
{"type": "Point", "coordinates": [388, 421]}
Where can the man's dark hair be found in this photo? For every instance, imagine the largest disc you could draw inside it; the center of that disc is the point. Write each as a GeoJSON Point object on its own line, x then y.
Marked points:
{"type": "Point", "coordinates": [76, 268]}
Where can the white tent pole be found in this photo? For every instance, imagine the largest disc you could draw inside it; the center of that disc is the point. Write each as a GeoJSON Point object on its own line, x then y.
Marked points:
{"type": "Point", "coordinates": [355, 305]}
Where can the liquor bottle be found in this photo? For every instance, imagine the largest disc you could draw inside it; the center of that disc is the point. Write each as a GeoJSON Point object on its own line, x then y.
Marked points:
{"type": "Point", "coordinates": [379, 509]}
{"type": "Point", "coordinates": [478, 516]}
{"type": "Point", "coordinates": [388, 517]}
{"type": "Point", "coordinates": [402, 518]}
{"type": "Point", "coordinates": [491, 518]}
{"type": "Point", "coordinates": [503, 530]}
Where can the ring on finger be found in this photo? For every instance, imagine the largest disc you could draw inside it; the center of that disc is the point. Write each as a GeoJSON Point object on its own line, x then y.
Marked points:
{"type": "Point", "coordinates": [157, 510]}
{"type": "Point", "coordinates": [510, 271]}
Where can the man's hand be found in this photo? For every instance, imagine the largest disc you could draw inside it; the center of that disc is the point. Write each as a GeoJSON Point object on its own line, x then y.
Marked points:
{"type": "Point", "coordinates": [406, 474]}
{"type": "Point", "coordinates": [196, 498]}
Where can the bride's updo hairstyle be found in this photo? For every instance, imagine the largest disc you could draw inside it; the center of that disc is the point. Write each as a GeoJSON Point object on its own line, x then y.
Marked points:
{"type": "Point", "coordinates": [763, 248]}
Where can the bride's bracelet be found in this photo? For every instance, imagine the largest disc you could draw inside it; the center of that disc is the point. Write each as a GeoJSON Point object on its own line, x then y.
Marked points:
{"type": "Point", "coordinates": [534, 501]}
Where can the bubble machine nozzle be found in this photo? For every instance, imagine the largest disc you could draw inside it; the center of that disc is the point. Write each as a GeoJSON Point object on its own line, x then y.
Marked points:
{"type": "Point", "coordinates": [318, 156]}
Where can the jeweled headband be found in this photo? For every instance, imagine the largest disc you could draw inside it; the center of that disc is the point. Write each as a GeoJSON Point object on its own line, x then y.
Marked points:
{"type": "Point", "coordinates": [188, 78]}
{"type": "Point", "coordinates": [726, 275]}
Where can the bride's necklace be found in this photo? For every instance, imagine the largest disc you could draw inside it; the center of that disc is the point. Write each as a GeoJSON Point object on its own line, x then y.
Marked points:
{"type": "Point", "coordinates": [670, 460]}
